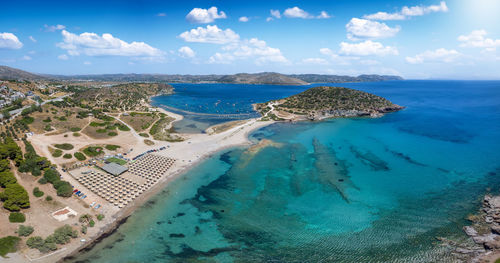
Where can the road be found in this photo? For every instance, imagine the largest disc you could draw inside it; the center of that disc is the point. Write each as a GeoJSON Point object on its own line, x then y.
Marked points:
{"type": "Point", "coordinates": [15, 113]}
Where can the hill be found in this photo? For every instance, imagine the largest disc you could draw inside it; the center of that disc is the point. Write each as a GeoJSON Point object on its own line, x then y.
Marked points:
{"type": "Point", "coordinates": [8, 73]}
{"type": "Point", "coordinates": [326, 102]}
{"type": "Point", "coordinates": [318, 78]}
{"type": "Point", "coordinates": [261, 78]}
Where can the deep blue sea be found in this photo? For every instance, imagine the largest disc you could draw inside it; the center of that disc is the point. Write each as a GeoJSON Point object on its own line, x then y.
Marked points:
{"type": "Point", "coordinates": [343, 190]}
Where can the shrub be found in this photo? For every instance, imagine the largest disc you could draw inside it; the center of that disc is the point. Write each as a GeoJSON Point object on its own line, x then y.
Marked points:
{"type": "Point", "coordinates": [47, 119]}
{"type": "Point", "coordinates": [16, 217]}
{"type": "Point", "coordinates": [92, 223]}
{"type": "Point", "coordinates": [47, 127]}
{"type": "Point", "coordinates": [112, 133]}
{"type": "Point", "coordinates": [37, 192]}
{"type": "Point", "coordinates": [100, 217]}
{"type": "Point", "coordinates": [97, 124]}
{"type": "Point", "coordinates": [48, 198]}
{"type": "Point", "coordinates": [67, 156]}
{"type": "Point", "coordinates": [8, 245]}
{"type": "Point", "coordinates": [84, 219]}
{"type": "Point", "coordinates": [6, 178]}
{"type": "Point", "coordinates": [15, 197]}
{"type": "Point", "coordinates": [25, 231]}
{"type": "Point", "coordinates": [75, 129]}
{"type": "Point", "coordinates": [79, 156]}
{"type": "Point", "coordinates": [122, 127]}
{"type": "Point", "coordinates": [92, 151]}
{"type": "Point", "coordinates": [144, 134]}
{"type": "Point", "coordinates": [101, 130]}
{"type": "Point", "coordinates": [64, 146]}
{"type": "Point", "coordinates": [84, 230]}
{"type": "Point", "coordinates": [63, 235]}
{"type": "Point", "coordinates": [77, 134]}
{"type": "Point", "coordinates": [57, 153]}
{"type": "Point", "coordinates": [42, 180]}
{"type": "Point", "coordinates": [48, 246]}
{"type": "Point", "coordinates": [64, 189]}
{"type": "Point", "coordinates": [51, 176]}
{"type": "Point", "coordinates": [35, 242]}
{"type": "Point", "coordinates": [112, 147]}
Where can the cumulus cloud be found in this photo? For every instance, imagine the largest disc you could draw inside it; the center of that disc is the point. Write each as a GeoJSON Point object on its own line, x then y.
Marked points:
{"type": "Point", "coordinates": [92, 44]}
{"type": "Point", "coordinates": [63, 57]}
{"type": "Point", "coordinates": [53, 28]}
{"type": "Point", "coordinates": [438, 55]}
{"type": "Point", "coordinates": [407, 12]}
{"type": "Point", "coordinates": [210, 34]}
{"type": "Point", "coordinates": [315, 61]}
{"type": "Point", "coordinates": [367, 48]}
{"type": "Point", "coordinates": [275, 13]}
{"type": "Point", "coordinates": [477, 38]}
{"type": "Point", "coordinates": [32, 39]}
{"type": "Point", "coordinates": [9, 41]}
{"type": "Point", "coordinates": [249, 49]}
{"type": "Point", "coordinates": [204, 16]}
{"type": "Point", "coordinates": [243, 19]}
{"type": "Point", "coordinates": [295, 12]}
{"type": "Point", "coordinates": [365, 29]}
{"type": "Point", "coordinates": [186, 52]}
{"type": "Point", "coordinates": [323, 15]}
{"type": "Point", "coordinates": [26, 57]}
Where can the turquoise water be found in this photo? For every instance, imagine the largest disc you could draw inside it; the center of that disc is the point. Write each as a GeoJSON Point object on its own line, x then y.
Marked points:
{"type": "Point", "coordinates": [344, 190]}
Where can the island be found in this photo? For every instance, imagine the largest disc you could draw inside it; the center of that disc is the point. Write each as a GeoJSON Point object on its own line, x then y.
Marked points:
{"type": "Point", "coordinates": [324, 102]}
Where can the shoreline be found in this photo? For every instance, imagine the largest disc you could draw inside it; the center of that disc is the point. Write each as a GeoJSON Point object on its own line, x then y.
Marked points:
{"type": "Point", "coordinates": [121, 217]}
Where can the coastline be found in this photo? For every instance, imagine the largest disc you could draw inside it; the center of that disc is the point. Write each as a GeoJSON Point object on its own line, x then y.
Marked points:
{"type": "Point", "coordinates": [242, 131]}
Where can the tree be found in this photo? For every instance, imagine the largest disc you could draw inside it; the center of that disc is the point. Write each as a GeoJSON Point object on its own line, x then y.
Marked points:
{"type": "Point", "coordinates": [15, 197]}
{"type": "Point", "coordinates": [6, 178]}
{"type": "Point", "coordinates": [25, 231]}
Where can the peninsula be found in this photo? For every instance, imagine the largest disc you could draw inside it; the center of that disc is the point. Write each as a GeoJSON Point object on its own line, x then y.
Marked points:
{"type": "Point", "coordinates": [326, 102]}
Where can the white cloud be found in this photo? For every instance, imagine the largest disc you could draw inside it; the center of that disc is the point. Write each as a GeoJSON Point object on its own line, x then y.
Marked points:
{"type": "Point", "coordinates": [275, 13]}
{"type": "Point", "coordinates": [204, 16]}
{"type": "Point", "coordinates": [186, 52]}
{"type": "Point", "coordinates": [32, 39]}
{"type": "Point", "coordinates": [210, 34]}
{"type": "Point", "coordinates": [63, 57]}
{"type": "Point", "coordinates": [315, 61]}
{"type": "Point", "coordinates": [295, 12]}
{"type": "Point", "coordinates": [365, 29]}
{"type": "Point", "coordinates": [438, 55]}
{"type": "Point", "coordinates": [249, 49]}
{"type": "Point", "coordinates": [243, 19]}
{"type": "Point", "coordinates": [26, 57]}
{"type": "Point", "coordinates": [53, 28]}
{"type": "Point", "coordinates": [92, 44]}
{"type": "Point", "coordinates": [477, 38]}
{"type": "Point", "coordinates": [9, 41]}
{"type": "Point", "coordinates": [323, 15]}
{"type": "Point", "coordinates": [328, 52]}
{"type": "Point", "coordinates": [161, 14]}
{"type": "Point", "coordinates": [87, 63]}
{"type": "Point", "coordinates": [407, 12]}
{"type": "Point", "coordinates": [367, 48]}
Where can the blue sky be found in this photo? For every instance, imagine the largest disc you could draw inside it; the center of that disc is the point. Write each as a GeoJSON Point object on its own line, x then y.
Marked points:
{"type": "Point", "coordinates": [415, 39]}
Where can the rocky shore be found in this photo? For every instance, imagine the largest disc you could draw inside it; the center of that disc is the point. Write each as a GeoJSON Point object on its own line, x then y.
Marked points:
{"type": "Point", "coordinates": [484, 232]}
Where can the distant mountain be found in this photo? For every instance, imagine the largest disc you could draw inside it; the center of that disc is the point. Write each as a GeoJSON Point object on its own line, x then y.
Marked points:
{"type": "Point", "coordinates": [261, 78]}
{"type": "Point", "coordinates": [8, 73]}
{"type": "Point", "coordinates": [240, 78]}
{"type": "Point", "coordinates": [317, 78]}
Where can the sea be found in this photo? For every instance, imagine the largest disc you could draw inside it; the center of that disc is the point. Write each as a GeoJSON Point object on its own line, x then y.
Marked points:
{"type": "Point", "coordinates": [386, 189]}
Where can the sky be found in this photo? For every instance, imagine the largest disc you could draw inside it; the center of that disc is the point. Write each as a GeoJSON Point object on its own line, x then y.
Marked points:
{"type": "Point", "coordinates": [427, 39]}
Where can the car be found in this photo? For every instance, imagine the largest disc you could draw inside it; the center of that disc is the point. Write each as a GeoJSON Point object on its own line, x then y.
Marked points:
{"type": "Point", "coordinates": [77, 192]}
{"type": "Point", "coordinates": [97, 207]}
{"type": "Point", "coordinates": [74, 191]}
{"type": "Point", "coordinates": [92, 205]}
{"type": "Point", "coordinates": [83, 197]}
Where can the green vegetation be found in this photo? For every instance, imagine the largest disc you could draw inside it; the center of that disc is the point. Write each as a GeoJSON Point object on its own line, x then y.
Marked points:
{"type": "Point", "coordinates": [97, 124]}
{"type": "Point", "coordinates": [32, 162]}
{"type": "Point", "coordinates": [160, 133]}
{"type": "Point", "coordinates": [57, 153]}
{"type": "Point", "coordinates": [100, 217]}
{"type": "Point", "coordinates": [48, 119]}
{"type": "Point", "coordinates": [149, 142]}
{"type": "Point", "coordinates": [16, 217]}
{"type": "Point", "coordinates": [8, 245]}
{"type": "Point", "coordinates": [112, 147]}
{"type": "Point", "coordinates": [143, 134]}
{"type": "Point", "coordinates": [116, 160]}
{"type": "Point", "coordinates": [122, 127]}
{"type": "Point", "coordinates": [79, 156]}
{"type": "Point", "coordinates": [63, 188]}
{"type": "Point", "coordinates": [67, 156]}
{"type": "Point", "coordinates": [7, 178]}
{"type": "Point", "coordinates": [77, 134]}
{"type": "Point", "coordinates": [37, 192]}
{"type": "Point", "coordinates": [64, 146]}
{"type": "Point", "coordinates": [25, 231]}
{"type": "Point", "coordinates": [112, 133]}
{"type": "Point", "coordinates": [93, 151]}
{"type": "Point", "coordinates": [75, 129]}
{"type": "Point", "coordinates": [14, 197]}
{"type": "Point", "coordinates": [48, 198]}
{"type": "Point", "coordinates": [61, 236]}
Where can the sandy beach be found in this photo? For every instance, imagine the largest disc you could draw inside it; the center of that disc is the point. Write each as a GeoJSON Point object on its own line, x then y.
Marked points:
{"type": "Point", "coordinates": [188, 153]}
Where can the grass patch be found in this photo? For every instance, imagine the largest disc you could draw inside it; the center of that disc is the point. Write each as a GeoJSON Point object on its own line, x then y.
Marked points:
{"type": "Point", "coordinates": [79, 156]}
{"type": "Point", "coordinates": [75, 129]}
{"type": "Point", "coordinates": [37, 192]}
{"type": "Point", "coordinates": [112, 133]}
{"type": "Point", "coordinates": [92, 151]}
{"type": "Point", "coordinates": [143, 134]}
{"type": "Point", "coordinates": [116, 160]}
{"type": "Point", "coordinates": [17, 217]}
{"type": "Point", "coordinates": [101, 130]}
{"type": "Point", "coordinates": [112, 147]}
{"type": "Point", "coordinates": [97, 124]}
{"type": "Point", "coordinates": [57, 153]}
{"type": "Point", "coordinates": [77, 134]}
{"type": "Point", "coordinates": [64, 146]}
{"type": "Point", "coordinates": [8, 245]}
{"type": "Point", "coordinates": [67, 156]}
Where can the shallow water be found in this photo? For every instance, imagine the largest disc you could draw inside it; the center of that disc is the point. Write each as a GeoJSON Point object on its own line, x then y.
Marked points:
{"type": "Point", "coordinates": [343, 190]}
